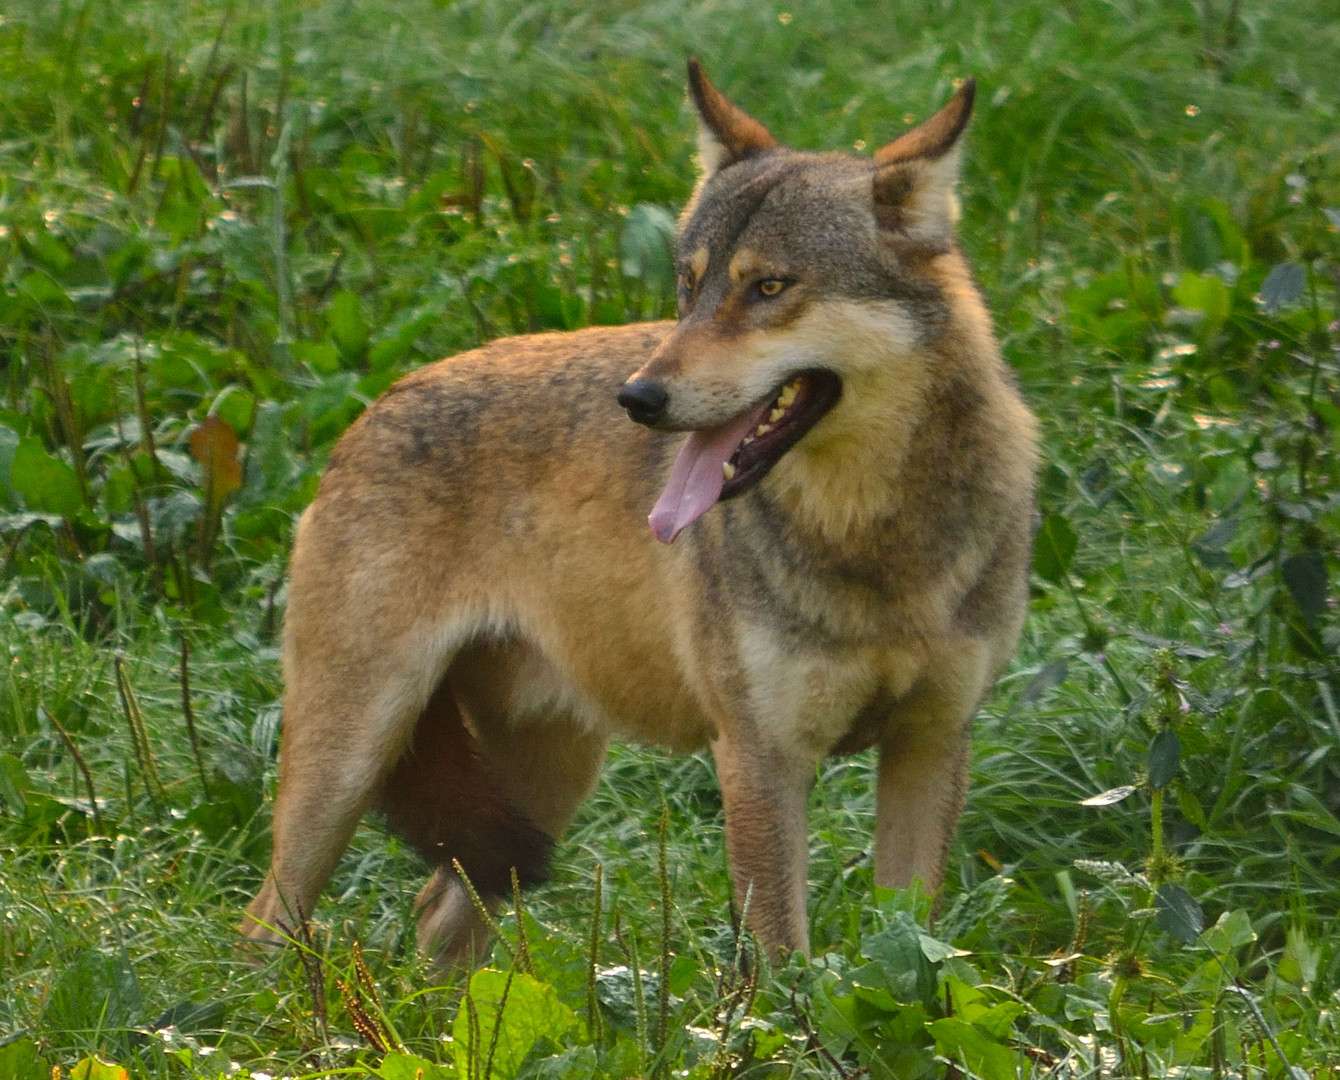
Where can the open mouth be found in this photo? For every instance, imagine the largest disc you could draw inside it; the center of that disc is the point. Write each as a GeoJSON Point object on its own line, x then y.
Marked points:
{"type": "Point", "coordinates": [796, 408]}
{"type": "Point", "coordinates": [727, 460]}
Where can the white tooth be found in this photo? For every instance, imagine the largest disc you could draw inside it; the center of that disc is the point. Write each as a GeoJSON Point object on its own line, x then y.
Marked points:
{"type": "Point", "coordinates": [728, 470]}
{"type": "Point", "coordinates": [776, 415]}
{"type": "Point", "coordinates": [762, 429]}
{"type": "Point", "coordinates": [747, 440]}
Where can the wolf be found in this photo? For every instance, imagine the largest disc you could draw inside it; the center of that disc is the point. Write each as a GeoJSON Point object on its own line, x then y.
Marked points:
{"type": "Point", "coordinates": [839, 469]}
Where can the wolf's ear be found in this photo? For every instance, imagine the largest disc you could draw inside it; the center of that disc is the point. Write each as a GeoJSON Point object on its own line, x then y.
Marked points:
{"type": "Point", "coordinates": [726, 133]}
{"type": "Point", "coordinates": [915, 175]}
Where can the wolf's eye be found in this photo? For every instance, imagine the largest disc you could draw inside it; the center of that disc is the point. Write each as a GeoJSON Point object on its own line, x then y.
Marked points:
{"type": "Point", "coordinates": [770, 286]}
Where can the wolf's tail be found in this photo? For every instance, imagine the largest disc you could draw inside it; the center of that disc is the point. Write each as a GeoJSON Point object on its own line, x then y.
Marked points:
{"type": "Point", "coordinates": [442, 801]}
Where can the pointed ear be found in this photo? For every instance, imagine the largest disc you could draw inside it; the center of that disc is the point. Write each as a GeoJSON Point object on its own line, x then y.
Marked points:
{"type": "Point", "coordinates": [915, 175]}
{"type": "Point", "coordinates": [726, 133]}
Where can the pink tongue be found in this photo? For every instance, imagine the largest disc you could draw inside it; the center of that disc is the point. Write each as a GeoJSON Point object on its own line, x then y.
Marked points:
{"type": "Point", "coordinates": [696, 479]}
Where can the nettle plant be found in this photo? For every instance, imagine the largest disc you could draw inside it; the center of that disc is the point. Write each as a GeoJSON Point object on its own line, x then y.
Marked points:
{"type": "Point", "coordinates": [1159, 1011]}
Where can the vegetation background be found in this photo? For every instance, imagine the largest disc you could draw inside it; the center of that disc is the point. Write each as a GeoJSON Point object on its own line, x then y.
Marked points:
{"type": "Point", "coordinates": [226, 227]}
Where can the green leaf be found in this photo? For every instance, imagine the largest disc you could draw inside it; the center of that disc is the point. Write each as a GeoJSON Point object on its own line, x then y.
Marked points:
{"type": "Point", "coordinates": [93, 1068]}
{"type": "Point", "coordinates": [903, 964]}
{"type": "Point", "coordinates": [514, 1011]}
{"type": "Point", "coordinates": [1207, 294]}
{"type": "Point", "coordinates": [1283, 285]}
{"type": "Point", "coordinates": [1165, 755]}
{"type": "Point", "coordinates": [935, 951]}
{"type": "Point", "coordinates": [1178, 913]}
{"type": "Point", "coordinates": [322, 358]}
{"type": "Point", "coordinates": [1302, 957]}
{"type": "Point", "coordinates": [1056, 546]}
{"type": "Point", "coordinates": [1191, 808]}
{"type": "Point", "coordinates": [1305, 576]}
{"type": "Point", "coordinates": [578, 1063]}
{"type": "Point", "coordinates": [1232, 931]}
{"type": "Point", "coordinates": [45, 482]}
{"type": "Point", "coordinates": [966, 1044]}
{"type": "Point", "coordinates": [348, 329]}
{"type": "Point", "coordinates": [19, 1059]}
{"type": "Point", "coordinates": [397, 1066]}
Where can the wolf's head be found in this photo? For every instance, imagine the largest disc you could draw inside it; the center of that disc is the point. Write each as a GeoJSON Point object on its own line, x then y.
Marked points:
{"type": "Point", "coordinates": [796, 271]}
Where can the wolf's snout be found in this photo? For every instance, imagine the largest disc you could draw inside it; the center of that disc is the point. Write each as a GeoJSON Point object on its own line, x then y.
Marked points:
{"type": "Point", "coordinates": [645, 400]}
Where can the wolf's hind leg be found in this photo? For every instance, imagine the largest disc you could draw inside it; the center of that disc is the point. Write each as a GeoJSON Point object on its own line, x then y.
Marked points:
{"type": "Point", "coordinates": [339, 742]}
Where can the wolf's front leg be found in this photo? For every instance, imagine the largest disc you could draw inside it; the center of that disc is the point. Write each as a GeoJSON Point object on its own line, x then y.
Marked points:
{"type": "Point", "coordinates": [764, 792]}
{"type": "Point", "coordinates": [923, 772]}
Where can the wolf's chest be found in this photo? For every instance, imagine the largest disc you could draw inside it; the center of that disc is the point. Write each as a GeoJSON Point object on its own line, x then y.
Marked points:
{"type": "Point", "coordinates": [822, 701]}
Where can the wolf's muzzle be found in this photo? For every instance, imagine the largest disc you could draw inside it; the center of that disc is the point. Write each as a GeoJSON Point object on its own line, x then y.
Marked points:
{"type": "Point", "coordinates": [645, 400]}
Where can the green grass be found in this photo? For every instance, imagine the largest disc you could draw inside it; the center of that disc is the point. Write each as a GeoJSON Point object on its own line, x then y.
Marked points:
{"type": "Point", "coordinates": [265, 212]}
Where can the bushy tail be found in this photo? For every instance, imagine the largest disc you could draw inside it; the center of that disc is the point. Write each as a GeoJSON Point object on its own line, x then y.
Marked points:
{"type": "Point", "coordinates": [441, 799]}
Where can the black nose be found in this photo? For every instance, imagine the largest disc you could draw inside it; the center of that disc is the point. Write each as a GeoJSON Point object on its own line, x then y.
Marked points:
{"type": "Point", "coordinates": [644, 399]}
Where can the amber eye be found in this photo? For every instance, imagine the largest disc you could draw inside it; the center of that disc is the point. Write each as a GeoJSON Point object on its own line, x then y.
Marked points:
{"type": "Point", "coordinates": [771, 286]}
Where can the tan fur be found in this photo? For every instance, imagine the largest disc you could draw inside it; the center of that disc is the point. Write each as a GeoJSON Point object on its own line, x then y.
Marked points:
{"type": "Point", "coordinates": [477, 606]}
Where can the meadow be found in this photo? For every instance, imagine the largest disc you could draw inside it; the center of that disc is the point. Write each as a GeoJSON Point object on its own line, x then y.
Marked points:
{"type": "Point", "coordinates": [226, 227]}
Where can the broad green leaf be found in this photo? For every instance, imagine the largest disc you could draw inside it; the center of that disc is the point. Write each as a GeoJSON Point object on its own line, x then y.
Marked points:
{"type": "Point", "coordinates": [93, 1068]}
{"type": "Point", "coordinates": [1207, 294]}
{"type": "Point", "coordinates": [514, 1011]}
{"type": "Point", "coordinates": [45, 482]}
{"type": "Point", "coordinates": [1306, 578]}
{"type": "Point", "coordinates": [235, 407]}
{"type": "Point", "coordinates": [578, 1063]}
{"type": "Point", "coordinates": [897, 950]}
{"type": "Point", "coordinates": [1191, 808]}
{"type": "Point", "coordinates": [1232, 930]}
{"type": "Point", "coordinates": [324, 359]}
{"type": "Point", "coordinates": [936, 951]}
{"type": "Point", "coordinates": [1178, 913]}
{"type": "Point", "coordinates": [1055, 547]}
{"type": "Point", "coordinates": [1302, 957]}
{"type": "Point", "coordinates": [395, 1066]}
{"type": "Point", "coordinates": [20, 1060]}
{"type": "Point", "coordinates": [1208, 980]}
{"type": "Point", "coordinates": [1283, 285]}
{"type": "Point", "coordinates": [348, 328]}
{"type": "Point", "coordinates": [1165, 755]}
{"type": "Point", "coordinates": [967, 1044]}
